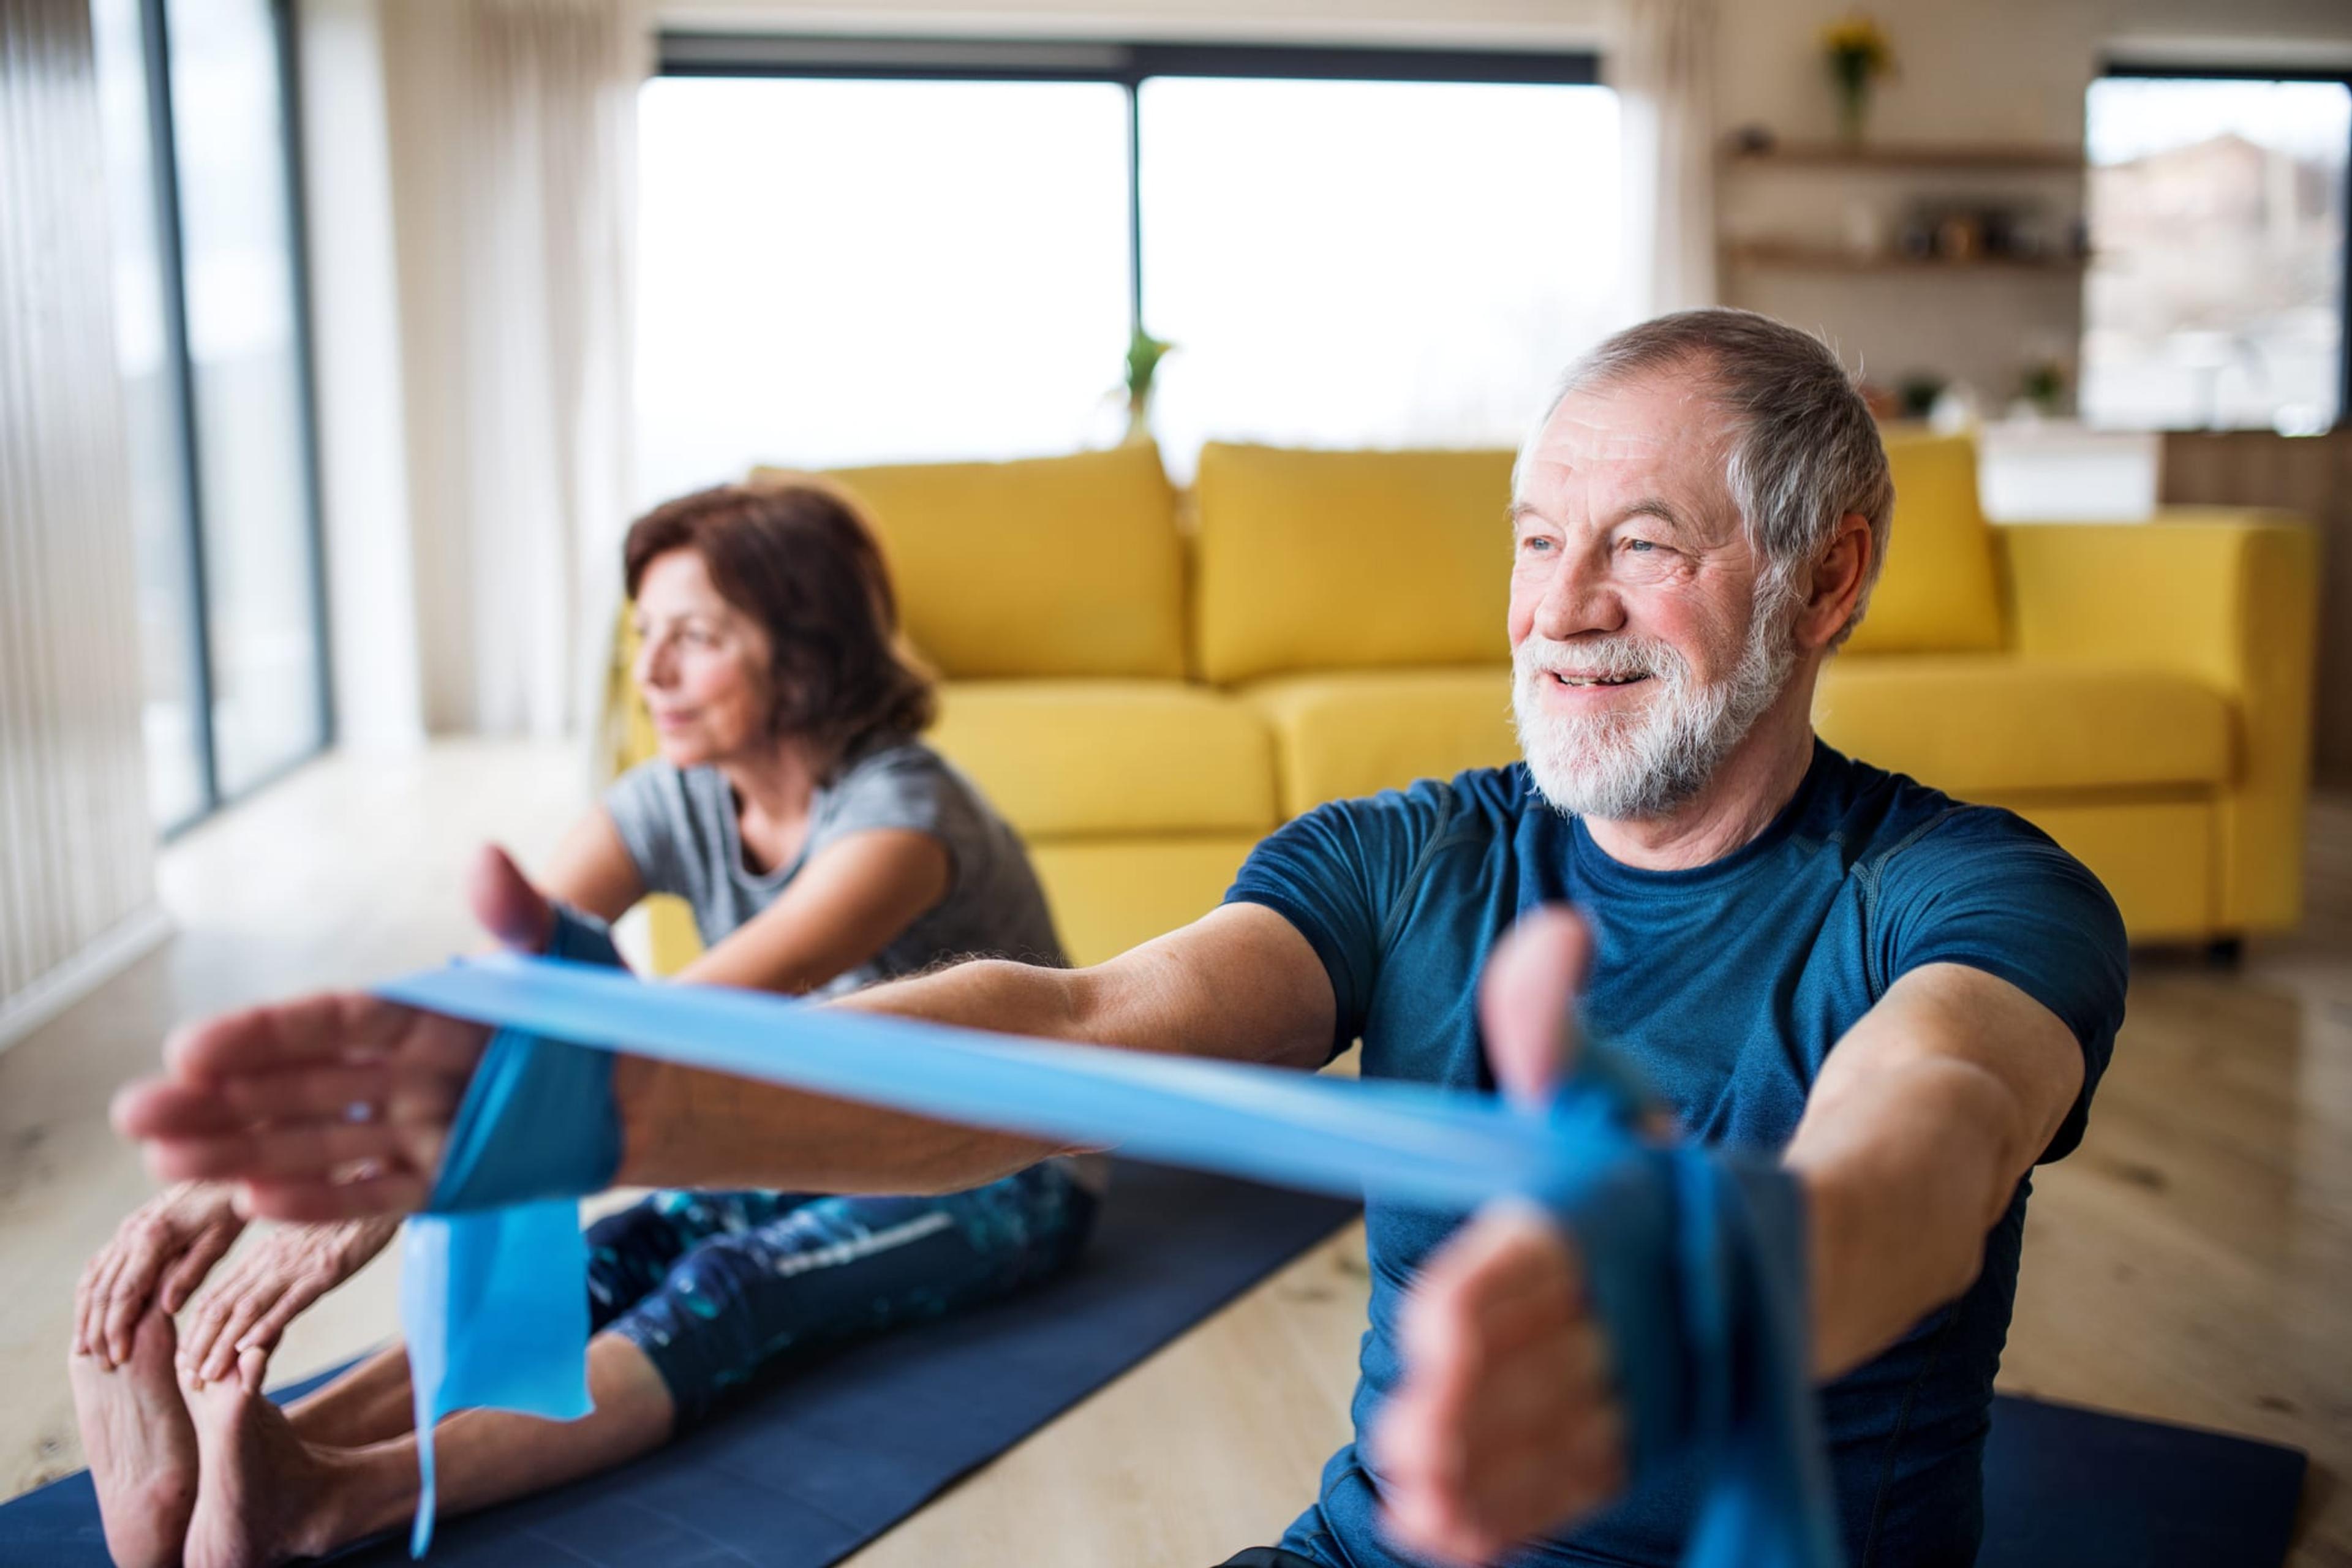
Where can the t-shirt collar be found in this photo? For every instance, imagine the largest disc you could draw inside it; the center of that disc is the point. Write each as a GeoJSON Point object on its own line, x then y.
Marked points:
{"type": "Point", "coordinates": [1598, 865]}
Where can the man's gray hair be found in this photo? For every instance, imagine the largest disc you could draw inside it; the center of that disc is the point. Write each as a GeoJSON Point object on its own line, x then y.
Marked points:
{"type": "Point", "coordinates": [1805, 451]}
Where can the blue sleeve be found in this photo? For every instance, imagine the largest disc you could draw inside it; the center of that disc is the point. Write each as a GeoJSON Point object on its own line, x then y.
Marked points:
{"type": "Point", "coordinates": [1986, 889]}
{"type": "Point", "coordinates": [1336, 874]}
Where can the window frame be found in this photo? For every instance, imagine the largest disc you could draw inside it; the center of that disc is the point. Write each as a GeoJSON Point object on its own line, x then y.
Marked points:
{"type": "Point", "coordinates": [2146, 69]}
{"type": "Point", "coordinates": [1124, 64]}
{"type": "Point", "coordinates": [171, 265]}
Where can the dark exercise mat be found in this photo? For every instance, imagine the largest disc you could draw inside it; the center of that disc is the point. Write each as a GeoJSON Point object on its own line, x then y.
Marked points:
{"type": "Point", "coordinates": [2070, 1488]}
{"type": "Point", "coordinates": [828, 1456]}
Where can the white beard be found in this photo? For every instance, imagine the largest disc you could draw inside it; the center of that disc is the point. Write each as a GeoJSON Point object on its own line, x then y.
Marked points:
{"type": "Point", "coordinates": [1640, 766]}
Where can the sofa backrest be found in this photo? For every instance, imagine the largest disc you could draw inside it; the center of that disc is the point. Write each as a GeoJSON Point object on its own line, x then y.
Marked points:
{"type": "Point", "coordinates": [1047, 566]}
{"type": "Point", "coordinates": [1940, 590]}
{"type": "Point", "coordinates": [1349, 560]}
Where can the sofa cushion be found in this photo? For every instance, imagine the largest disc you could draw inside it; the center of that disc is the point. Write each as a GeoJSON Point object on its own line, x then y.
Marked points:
{"type": "Point", "coordinates": [1358, 731]}
{"type": "Point", "coordinates": [1072, 758]}
{"type": "Point", "coordinates": [1052, 566]}
{"type": "Point", "coordinates": [1347, 560]}
{"type": "Point", "coordinates": [1112, 894]}
{"type": "Point", "coordinates": [1940, 590]}
{"type": "Point", "coordinates": [1986, 723]}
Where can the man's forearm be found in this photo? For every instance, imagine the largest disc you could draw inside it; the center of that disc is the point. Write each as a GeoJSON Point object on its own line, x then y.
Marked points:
{"type": "Point", "coordinates": [1239, 983]}
{"type": "Point", "coordinates": [1923, 1121]}
{"type": "Point", "coordinates": [1896, 1216]}
{"type": "Point", "coordinates": [684, 1126]}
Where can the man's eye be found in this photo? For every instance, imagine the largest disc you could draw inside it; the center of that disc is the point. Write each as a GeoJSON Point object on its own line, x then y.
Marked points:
{"type": "Point", "coordinates": [1641, 546]}
{"type": "Point", "coordinates": [1534, 542]}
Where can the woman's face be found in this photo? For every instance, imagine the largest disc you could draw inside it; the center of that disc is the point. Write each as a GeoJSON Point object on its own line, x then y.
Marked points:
{"type": "Point", "coordinates": [702, 664]}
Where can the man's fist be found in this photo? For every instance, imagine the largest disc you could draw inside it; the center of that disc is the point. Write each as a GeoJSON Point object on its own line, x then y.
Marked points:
{"type": "Point", "coordinates": [331, 1107]}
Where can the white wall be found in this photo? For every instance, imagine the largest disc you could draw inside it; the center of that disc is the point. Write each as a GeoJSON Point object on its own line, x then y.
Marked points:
{"type": "Point", "coordinates": [1499, 23]}
{"type": "Point", "coordinates": [361, 420]}
{"type": "Point", "coordinates": [76, 874]}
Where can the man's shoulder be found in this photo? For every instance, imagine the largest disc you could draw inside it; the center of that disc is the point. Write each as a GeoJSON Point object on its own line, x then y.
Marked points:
{"type": "Point", "coordinates": [1477, 803]}
{"type": "Point", "coordinates": [1914, 846]}
{"type": "Point", "coordinates": [1880, 815]}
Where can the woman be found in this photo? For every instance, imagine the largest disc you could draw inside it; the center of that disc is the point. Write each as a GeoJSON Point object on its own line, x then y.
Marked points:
{"type": "Point", "coordinates": [822, 848]}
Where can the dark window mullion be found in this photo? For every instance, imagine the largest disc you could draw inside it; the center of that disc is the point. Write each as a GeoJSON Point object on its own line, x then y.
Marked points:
{"type": "Point", "coordinates": [1135, 202]}
{"type": "Point", "coordinates": [298, 240]}
{"type": "Point", "coordinates": [2344, 298]}
{"type": "Point", "coordinates": [164, 151]}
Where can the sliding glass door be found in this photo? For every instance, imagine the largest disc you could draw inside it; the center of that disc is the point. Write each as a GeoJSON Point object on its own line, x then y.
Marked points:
{"type": "Point", "coordinates": [210, 313]}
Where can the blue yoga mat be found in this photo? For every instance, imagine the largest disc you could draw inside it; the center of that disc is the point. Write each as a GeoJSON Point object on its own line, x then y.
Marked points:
{"type": "Point", "coordinates": [812, 1466]}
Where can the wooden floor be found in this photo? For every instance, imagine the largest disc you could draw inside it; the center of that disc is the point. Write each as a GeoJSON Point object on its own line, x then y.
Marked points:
{"type": "Point", "coordinates": [2193, 1262]}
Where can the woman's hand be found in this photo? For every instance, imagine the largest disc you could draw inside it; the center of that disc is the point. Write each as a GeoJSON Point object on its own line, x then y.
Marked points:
{"type": "Point", "coordinates": [250, 1305]}
{"type": "Point", "coordinates": [172, 1239]}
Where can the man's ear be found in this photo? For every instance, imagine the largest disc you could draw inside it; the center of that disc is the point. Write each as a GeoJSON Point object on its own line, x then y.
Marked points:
{"type": "Point", "coordinates": [1838, 574]}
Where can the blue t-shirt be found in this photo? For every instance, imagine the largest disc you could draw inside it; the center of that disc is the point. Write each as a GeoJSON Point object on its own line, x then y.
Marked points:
{"type": "Point", "coordinates": [1727, 985]}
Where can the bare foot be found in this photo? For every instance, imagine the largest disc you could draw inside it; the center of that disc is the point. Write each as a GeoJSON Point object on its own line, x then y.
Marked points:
{"type": "Point", "coordinates": [141, 1446]}
{"type": "Point", "coordinates": [265, 1495]}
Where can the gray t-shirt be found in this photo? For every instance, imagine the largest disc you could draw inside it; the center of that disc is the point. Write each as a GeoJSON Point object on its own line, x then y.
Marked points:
{"type": "Point", "coordinates": [681, 828]}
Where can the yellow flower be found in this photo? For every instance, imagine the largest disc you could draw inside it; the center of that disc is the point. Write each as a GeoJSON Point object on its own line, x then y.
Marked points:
{"type": "Point", "coordinates": [1858, 44]}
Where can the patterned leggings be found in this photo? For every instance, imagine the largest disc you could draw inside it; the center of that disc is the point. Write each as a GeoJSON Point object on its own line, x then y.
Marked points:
{"type": "Point", "coordinates": [715, 1286]}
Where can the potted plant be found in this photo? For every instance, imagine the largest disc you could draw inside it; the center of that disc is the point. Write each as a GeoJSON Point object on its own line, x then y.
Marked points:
{"type": "Point", "coordinates": [1858, 54]}
{"type": "Point", "coordinates": [1144, 353]}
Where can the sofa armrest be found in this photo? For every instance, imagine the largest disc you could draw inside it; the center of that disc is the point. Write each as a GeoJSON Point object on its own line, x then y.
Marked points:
{"type": "Point", "coordinates": [2229, 597]}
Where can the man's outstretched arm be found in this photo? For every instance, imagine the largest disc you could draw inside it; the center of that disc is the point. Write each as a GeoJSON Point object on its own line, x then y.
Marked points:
{"type": "Point", "coordinates": [1240, 984]}
{"type": "Point", "coordinates": [1916, 1133]}
{"type": "Point", "coordinates": [1923, 1121]}
{"type": "Point", "coordinates": [265, 1096]}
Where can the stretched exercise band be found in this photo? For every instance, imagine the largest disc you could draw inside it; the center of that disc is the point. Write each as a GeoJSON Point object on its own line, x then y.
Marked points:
{"type": "Point", "coordinates": [1694, 1258]}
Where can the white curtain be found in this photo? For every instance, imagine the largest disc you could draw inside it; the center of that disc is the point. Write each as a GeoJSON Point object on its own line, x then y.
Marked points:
{"type": "Point", "coordinates": [77, 867]}
{"type": "Point", "coordinates": [515, 145]}
{"type": "Point", "coordinates": [1663, 70]}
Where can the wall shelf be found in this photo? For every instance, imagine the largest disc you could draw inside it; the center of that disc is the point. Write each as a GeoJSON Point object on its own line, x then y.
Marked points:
{"type": "Point", "coordinates": [1893, 156]}
{"type": "Point", "coordinates": [1828, 258]}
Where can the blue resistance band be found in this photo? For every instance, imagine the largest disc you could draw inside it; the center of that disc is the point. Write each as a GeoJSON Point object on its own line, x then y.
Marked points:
{"type": "Point", "coordinates": [1695, 1259]}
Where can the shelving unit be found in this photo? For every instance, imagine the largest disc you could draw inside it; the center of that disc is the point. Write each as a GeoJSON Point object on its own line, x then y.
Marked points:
{"type": "Point", "coordinates": [1828, 258]}
{"type": "Point", "coordinates": [1811, 231]}
{"type": "Point", "coordinates": [1896, 155]}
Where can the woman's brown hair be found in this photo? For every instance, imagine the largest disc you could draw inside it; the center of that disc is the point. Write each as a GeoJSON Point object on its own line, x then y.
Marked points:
{"type": "Point", "coordinates": [796, 557]}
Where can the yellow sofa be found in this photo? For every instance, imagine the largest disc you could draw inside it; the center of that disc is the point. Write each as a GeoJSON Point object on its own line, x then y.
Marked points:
{"type": "Point", "coordinates": [1144, 693]}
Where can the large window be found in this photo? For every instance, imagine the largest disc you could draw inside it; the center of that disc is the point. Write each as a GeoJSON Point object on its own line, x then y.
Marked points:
{"type": "Point", "coordinates": [853, 251]}
{"type": "Point", "coordinates": [1373, 263]}
{"type": "Point", "coordinates": [844, 271]}
{"type": "Point", "coordinates": [2216, 296]}
{"type": "Point", "coordinates": [209, 330]}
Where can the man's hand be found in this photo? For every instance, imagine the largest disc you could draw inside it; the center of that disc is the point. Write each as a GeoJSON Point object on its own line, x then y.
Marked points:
{"type": "Point", "coordinates": [331, 1107]}
{"type": "Point", "coordinates": [248, 1307]}
{"type": "Point", "coordinates": [161, 1252]}
{"type": "Point", "coordinates": [1507, 1426]}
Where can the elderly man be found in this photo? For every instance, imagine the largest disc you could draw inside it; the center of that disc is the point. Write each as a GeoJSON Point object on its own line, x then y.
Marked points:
{"type": "Point", "coordinates": [1910, 998]}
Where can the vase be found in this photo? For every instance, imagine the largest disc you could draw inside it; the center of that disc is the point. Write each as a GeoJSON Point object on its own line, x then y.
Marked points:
{"type": "Point", "coordinates": [1138, 420]}
{"type": "Point", "coordinates": [1853, 81]}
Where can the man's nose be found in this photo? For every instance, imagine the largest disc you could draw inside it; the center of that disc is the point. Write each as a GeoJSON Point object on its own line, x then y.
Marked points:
{"type": "Point", "coordinates": [1579, 597]}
